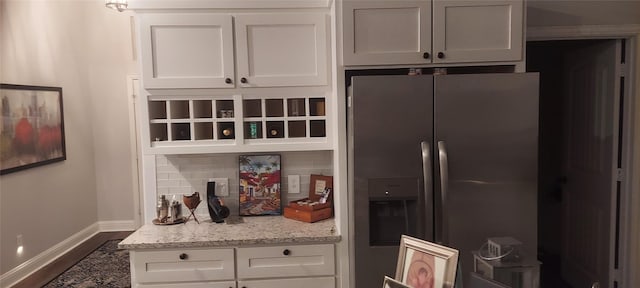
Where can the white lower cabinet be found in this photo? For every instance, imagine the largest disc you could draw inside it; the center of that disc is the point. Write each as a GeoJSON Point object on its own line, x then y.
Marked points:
{"type": "Point", "coordinates": [309, 266]}
{"type": "Point", "coordinates": [313, 282]}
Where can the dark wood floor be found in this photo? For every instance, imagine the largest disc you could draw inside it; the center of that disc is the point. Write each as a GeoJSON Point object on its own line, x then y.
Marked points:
{"type": "Point", "coordinates": [55, 268]}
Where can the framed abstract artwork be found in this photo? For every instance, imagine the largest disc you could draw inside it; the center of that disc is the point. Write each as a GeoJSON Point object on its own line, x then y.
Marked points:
{"type": "Point", "coordinates": [422, 264]}
{"type": "Point", "coordinates": [31, 127]}
{"type": "Point", "coordinates": [260, 185]}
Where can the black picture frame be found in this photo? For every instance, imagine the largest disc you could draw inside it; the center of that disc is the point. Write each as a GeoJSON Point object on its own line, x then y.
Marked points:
{"type": "Point", "coordinates": [31, 127]}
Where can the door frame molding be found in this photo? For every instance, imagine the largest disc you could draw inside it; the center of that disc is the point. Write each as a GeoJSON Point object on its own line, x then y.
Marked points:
{"type": "Point", "coordinates": [629, 250]}
{"type": "Point", "coordinates": [133, 82]}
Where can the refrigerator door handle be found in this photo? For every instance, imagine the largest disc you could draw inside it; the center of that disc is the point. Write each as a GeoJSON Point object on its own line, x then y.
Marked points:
{"type": "Point", "coordinates": [428, 187]}
{"type": "Point", "coordinates": [442, 233]}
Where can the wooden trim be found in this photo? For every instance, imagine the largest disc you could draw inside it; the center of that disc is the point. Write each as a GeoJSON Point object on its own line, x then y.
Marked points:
{"type": "Point", "coordinates": [66, 261]}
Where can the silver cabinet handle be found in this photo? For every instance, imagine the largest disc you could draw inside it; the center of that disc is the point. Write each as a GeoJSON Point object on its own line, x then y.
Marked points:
{"type": "Point", "coordinates": [444, 186]}
{"type": "Point", "coordinates": [428, 184]}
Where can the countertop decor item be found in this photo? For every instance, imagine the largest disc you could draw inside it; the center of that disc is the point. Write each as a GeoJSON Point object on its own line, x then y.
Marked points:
{"type": "Point", "coordinates": [177, 221]}
{"type": "Point", "coordinates": [260, 185]}
{"type": "Point", "coordinates": [317, 206]}
{"type": "Point", "coordinates": [32, 129]}
{"type": "Point", "coordinates": [426, 264]}
{"type": "Point", "coordinates": [191, 202]}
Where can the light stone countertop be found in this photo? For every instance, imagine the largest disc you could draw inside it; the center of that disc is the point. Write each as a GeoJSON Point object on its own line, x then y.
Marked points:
{"type": "Point", "coordinates": [255, 230]}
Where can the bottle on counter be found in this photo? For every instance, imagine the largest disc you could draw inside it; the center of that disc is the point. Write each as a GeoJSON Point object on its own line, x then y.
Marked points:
{"type": "Point", "coordinates": [162, 209]}
{"type": "Point", "coordinates": [175, 211]}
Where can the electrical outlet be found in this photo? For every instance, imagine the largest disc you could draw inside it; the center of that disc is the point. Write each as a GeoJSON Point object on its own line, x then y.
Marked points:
{"type": "Point", "coordinates": [294, 184]}
{"type": "Point", "coordinates": [222, 186]}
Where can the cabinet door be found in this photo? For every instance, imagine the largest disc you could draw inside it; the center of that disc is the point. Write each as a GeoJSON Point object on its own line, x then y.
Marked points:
{"type": "Point", "coordinates": [282, 49]}
{"type": "Point", "coordinates": [286, 261]}
{"type": "Point", "coordinates": [387, 32]}
{"type": "Point", "coordinates": [187, 50]}
{"type": "Point", "coordinates": [315, 282]}
{"type": "Point", "coordinates": [477, 31]}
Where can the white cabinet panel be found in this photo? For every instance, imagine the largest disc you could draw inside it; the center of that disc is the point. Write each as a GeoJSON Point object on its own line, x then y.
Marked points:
{"type": "Point", "coordinates": [476, 31]}
{"type": "Point", "coordinates": [286, 261]}
{"type": "Point", "coordinates": [387, 32]}
{"type": "Point", "coordinates": [222, 284]}
{"type": "Point", "coordinates": [183, 265]}
{"type": "Point", "coordinates": [187, 50]}
{"type": "Point", "coordinates": [282, 49]}
{"type": "Point", "coordinates": [314, 282]}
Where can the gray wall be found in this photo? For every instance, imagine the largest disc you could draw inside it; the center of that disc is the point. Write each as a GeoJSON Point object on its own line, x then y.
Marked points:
{"type": "Point", "coordinates": [582, 12]}
{"type": "Point", "coordinates": [85, 49]}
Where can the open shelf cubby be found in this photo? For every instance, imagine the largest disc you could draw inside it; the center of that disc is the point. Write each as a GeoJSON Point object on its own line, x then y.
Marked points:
{"type": "Point", "coordinates": [259, 119]}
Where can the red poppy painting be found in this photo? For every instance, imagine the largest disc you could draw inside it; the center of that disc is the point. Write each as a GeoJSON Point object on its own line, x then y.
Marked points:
{"type": "Point", "coordinates": [31, 127]}
{"type": "Point", "coordinates": [260, 185]}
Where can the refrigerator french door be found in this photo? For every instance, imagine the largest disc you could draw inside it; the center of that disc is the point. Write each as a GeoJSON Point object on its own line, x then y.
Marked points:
{"type": "Point", "coordinates": [451, 159]}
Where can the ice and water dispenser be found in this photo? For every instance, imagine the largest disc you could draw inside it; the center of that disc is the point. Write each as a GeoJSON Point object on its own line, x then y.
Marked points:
{"type": "Point", "coordinates": [394, 209]}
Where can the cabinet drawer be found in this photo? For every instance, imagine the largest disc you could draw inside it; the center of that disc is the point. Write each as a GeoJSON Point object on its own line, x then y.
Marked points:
{"type": "Point", "coordinates": [183, 265]}
{"type": "Point", "coordinates": [315, 282]}
{"type": "Point", "coordinates": [286, 261]}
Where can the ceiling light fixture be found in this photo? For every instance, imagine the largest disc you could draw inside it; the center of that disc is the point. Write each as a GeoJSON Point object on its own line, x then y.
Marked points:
{"type": "Point", "coordinates": [119, 5]}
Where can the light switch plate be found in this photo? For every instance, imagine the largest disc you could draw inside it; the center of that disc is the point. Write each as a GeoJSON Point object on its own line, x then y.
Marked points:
{"type": "Point", "coordinates": [222, 186]}
{"type": "Point", "coordinates": [294, 184]}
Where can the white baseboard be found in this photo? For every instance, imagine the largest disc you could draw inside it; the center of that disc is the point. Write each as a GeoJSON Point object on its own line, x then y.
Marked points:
{"type": "Point", "coordinates": [36, 263]}
{"type": "Point", "coordinates": [110, 226]}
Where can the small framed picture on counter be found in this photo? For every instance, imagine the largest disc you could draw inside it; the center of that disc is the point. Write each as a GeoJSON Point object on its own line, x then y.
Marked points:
{"type": "Point", "coordinates": [393, 283]}
{"type": "Point", "coordinates": [426, 264]}
{"type": "Point", "coordinates": [260, 185]}
{"type": "Point", "coordinates": [321, 187]}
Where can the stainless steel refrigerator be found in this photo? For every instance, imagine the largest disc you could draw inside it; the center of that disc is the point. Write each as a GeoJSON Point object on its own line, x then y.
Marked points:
{"type": "Point", "coordinates": [447, 158]}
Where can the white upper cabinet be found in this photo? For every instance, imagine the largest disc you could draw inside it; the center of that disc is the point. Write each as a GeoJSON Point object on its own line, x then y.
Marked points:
{"type": "Point", "coordinates": [196, 50]}
{"type": "Point", "coordinates": [387, 32]}
{"type": "Point", "coordinates": [281, 50]}
{"type": "Point", "coordinates": [235, 76]}
{"type": "Point", "coordinates": [477, 31]}
{"type": "Point", "coordinates": [432, 31]}
{"type": "Point", "coordinates": [187, 50]}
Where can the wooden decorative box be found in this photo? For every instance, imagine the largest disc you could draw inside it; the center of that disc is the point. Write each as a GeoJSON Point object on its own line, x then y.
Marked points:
{"type": "Point", "coordinates": [308, 216]}
{"type": "Point", "coordinates": [300, 205]}
{"type": "Point", "coordinates": [302, 210]}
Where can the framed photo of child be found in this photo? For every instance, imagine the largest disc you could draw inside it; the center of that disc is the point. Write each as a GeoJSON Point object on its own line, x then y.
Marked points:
{"type": "Point", "coordinates": [422, 264]}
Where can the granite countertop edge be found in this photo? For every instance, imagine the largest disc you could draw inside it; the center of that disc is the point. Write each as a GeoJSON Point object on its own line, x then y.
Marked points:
{"type": "Point", "coordinates": [252, 231]}
{"type": "Point", "coordinates": [231, 243]}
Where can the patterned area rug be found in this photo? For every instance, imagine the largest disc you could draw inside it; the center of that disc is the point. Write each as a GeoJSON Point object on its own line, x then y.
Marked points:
{"type": "Point", "coordinates": [105, 267]}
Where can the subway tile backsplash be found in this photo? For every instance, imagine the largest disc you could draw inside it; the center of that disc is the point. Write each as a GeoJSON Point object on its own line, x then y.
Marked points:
{"type": "Point", "coordinates": [184, 174]}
